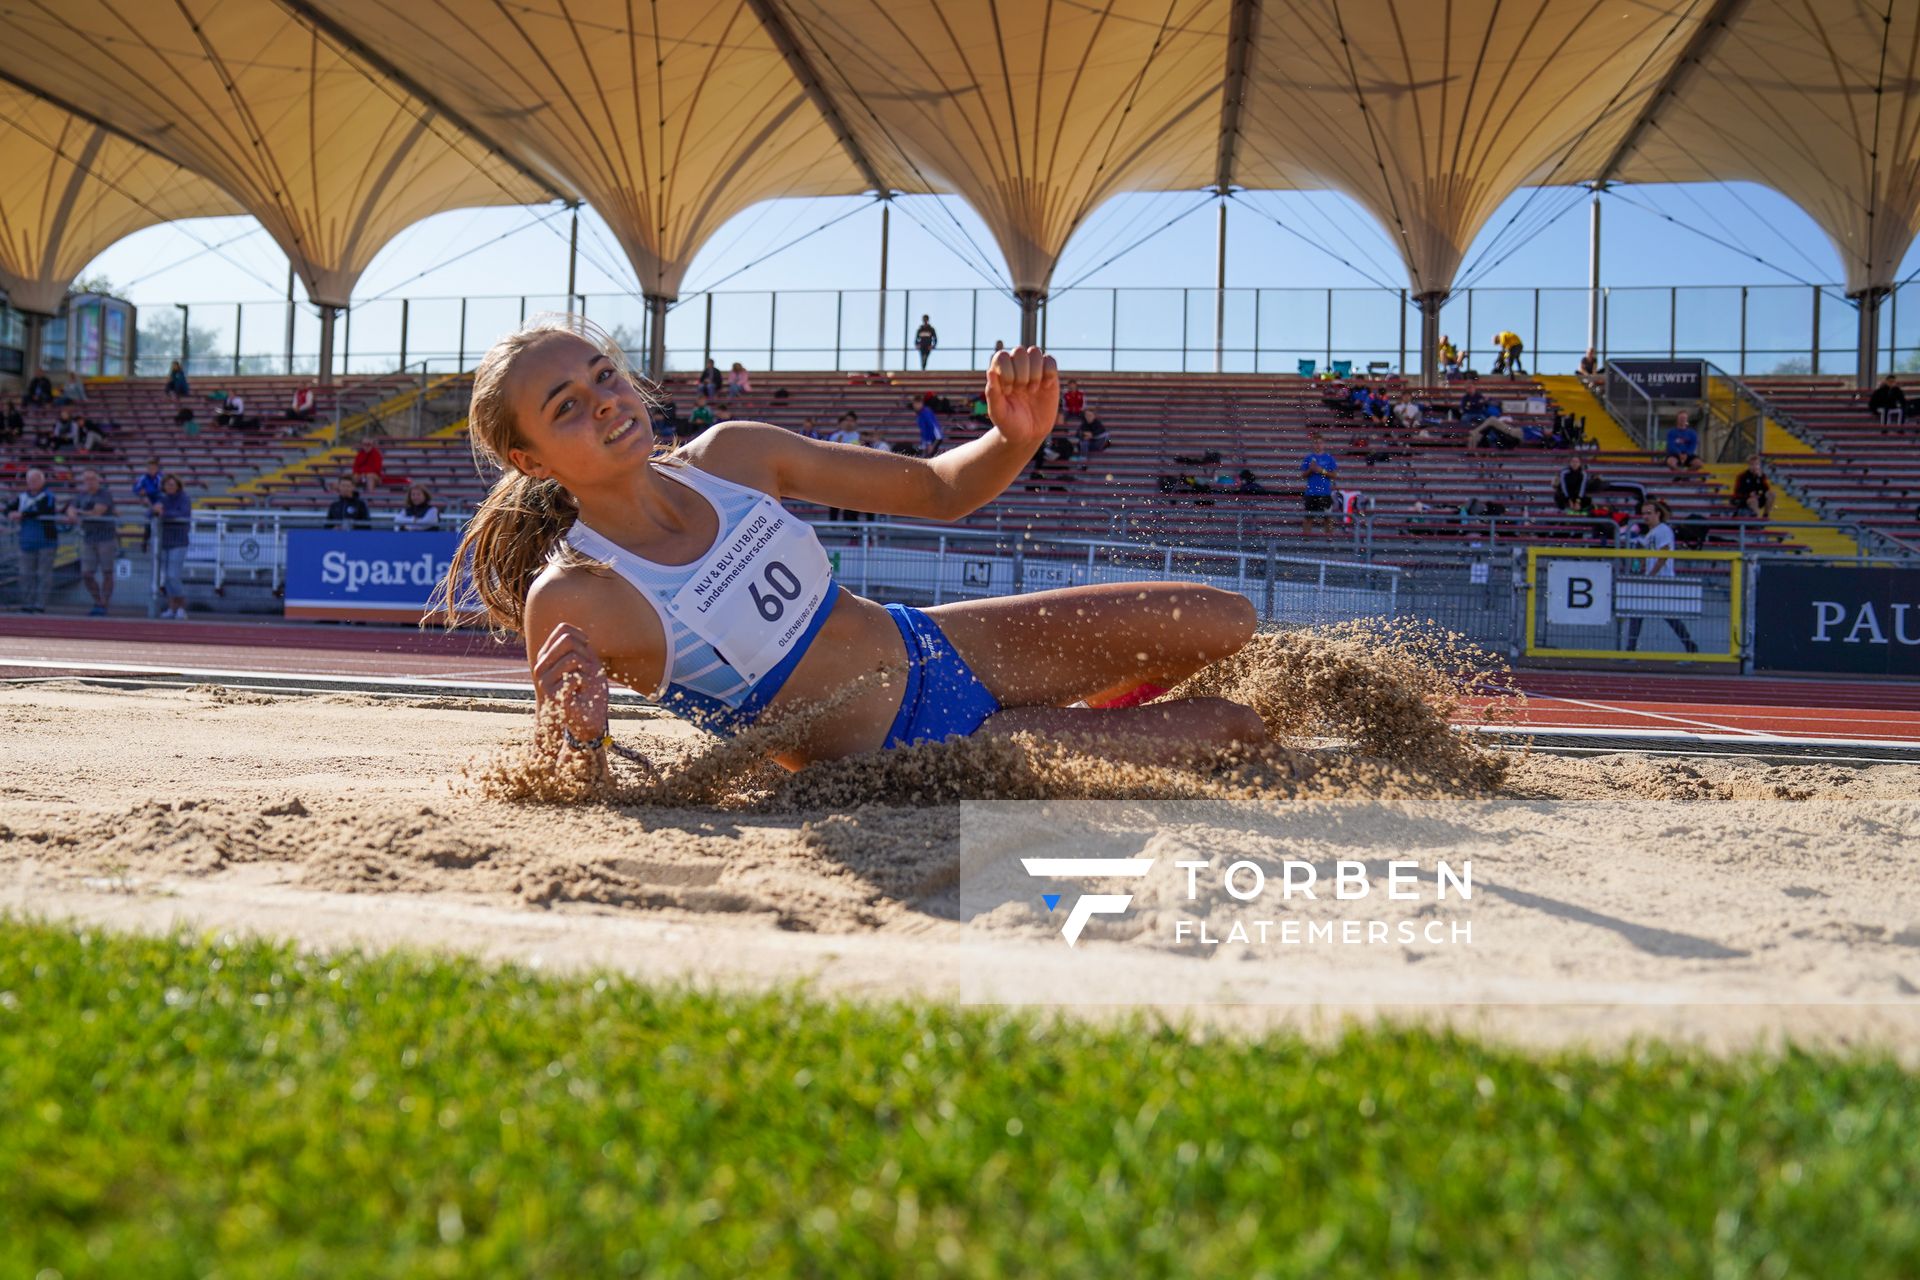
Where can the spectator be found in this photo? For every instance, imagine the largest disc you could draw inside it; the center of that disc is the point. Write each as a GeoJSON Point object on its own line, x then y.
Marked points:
{"type": "Point", "coordinates": [1498, 429]}
{"type": "Point", "coordinates": [419, 515]}
{"type": "Point", "coordinates": [925, 339]}
{"type": "Point", "coordinates": [1406, 414]}
{"type": "Point", "coordinates": [711, 381]}
{"type": "Point", "coordinates": [1318, 467]}
{"type": "Point", "coordinates": [174, 511]}
{"type": "Point", "coordinates": [1074, 400]}
{"type": "Point", "coordinates": [92, 510]}
{"type": "Point", "coordinates": [177, 382]}
{"type": "Point", "coordinates": [979, 413]}
{"type": "Point", "coordinates": [1753, 492]}
{"type": "Point", "coordinates": [36, 511]}
{"type": "Point", "coordinates": [700, 419]}
{"type": "Point", "coordinates": [998, 347]}
{"type": "Point", "coordinates": [1888, 401]}
{"type": "Point", "coordinates": [1092, 435]}
{"type": "Point", "coordinates": [1379, 408]}
{"type": "Point", "coordinates": [929, 423]}
{"type": "Point", "coordinates": [301, 408]}
{"type": "Point", "coordinates": [738, 383]}
{"type": "Point", "coordinates": [92, 434]}
{"type": "Point", "coordinates": [369, 464]}
{"type": "Point", "coordinates": [1509, 347]}
{"type": "Point", "coordinates": [1574, 488]}
{"type": "Point", "coordinates": [183, 419]}
{"type": "Point", "coordinates": [810, 429]}
{"type": "Point", "coordinates": [1449, 357]}
{"type": "Point", "coordinates": [146, 486]}
{"type": "Point", "coordinates": [233, 408]}
{"type": "Point", "coordinates": [13, 423]}
{"type": "Point", "coordinates": [1659, 538]}
{"type": "Point", "coordinates": [846, 431]}
{"type": "Point", "coordinates": [75, 391]}
{"type": "Point", "coordinates": [1683, 445]}
{"type": "Point", "coordinates": [1474, 406]}
{"type": "Point", "coordinates": [40, 389]}
{"type": "Point", "coordinates": [349, 509]}
{"type": "Point", "coordinates": [60, 435]}
{"type": "Point", "coordinates": [1589, 367]}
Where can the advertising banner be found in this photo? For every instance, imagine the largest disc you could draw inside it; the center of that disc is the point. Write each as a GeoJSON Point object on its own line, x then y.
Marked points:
{"type": "Point", "coordinates": [1856, 620]}
{"type": "Point", "coordinates": [1663, 379]}
{"type": "Point", "coordinates": [365, 575]}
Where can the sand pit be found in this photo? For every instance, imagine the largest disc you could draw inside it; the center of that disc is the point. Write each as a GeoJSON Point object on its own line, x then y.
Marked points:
{"type": "Point", "coordinates": [1719, 900]}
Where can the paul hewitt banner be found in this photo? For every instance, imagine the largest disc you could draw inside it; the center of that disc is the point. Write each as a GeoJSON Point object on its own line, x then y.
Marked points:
{"type": "Point", "coordinates": [1862, 621]}
{"type": "Point", "coordinates": [1664, 379]}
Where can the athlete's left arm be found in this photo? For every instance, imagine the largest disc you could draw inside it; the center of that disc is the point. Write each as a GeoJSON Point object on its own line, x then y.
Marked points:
{"type": "Point", "coordinates": [1023, 398]}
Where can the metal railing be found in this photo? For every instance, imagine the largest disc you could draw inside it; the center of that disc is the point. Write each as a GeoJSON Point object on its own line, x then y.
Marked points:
{"type": "Point", "coordinates": [1748, 329]}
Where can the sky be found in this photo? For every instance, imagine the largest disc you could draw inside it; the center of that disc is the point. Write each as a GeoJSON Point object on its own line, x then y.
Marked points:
{"type": "Point", "coordinates": [1721, 234]}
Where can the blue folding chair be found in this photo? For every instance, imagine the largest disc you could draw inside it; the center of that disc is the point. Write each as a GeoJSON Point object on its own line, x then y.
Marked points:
{"type": "Point", "coordinates": [1307, 367]}
{"type": "Point", "coordinates": [1341, 368]}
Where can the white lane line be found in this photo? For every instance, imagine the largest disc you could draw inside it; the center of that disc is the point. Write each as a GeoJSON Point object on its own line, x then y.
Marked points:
{"type": "Point", "coordinates": [1655, 715]}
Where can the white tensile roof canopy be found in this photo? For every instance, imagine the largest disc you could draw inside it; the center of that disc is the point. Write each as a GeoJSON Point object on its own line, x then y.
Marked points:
{"type": "Point", "coordinates": [338, 123]}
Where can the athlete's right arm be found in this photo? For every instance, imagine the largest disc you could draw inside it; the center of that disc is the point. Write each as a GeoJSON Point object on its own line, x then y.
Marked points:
{"type": "Point", "coordinates": [575, 629]}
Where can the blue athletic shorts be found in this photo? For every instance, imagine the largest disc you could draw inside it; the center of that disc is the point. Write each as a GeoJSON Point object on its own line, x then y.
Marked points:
{"type": "Point", "coordinates": [943, 695]}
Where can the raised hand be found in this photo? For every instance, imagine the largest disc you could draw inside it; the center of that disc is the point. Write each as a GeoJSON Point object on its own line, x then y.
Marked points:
{"type": "Point", "coordinates": [569, 671]}
{"type": "Point", "coordinates": [1023, 394]}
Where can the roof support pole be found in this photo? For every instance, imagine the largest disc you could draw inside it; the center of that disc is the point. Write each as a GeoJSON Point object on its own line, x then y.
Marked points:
{"type": "Point", "coordinates": [573, 255]}
{"type": "Point", "coordinates": [657, 335]}
{"type": "Point", "coordinates": [290, 315]}
{"type": "Point", "coordinates": [1031, 300]}
{"type": "Point", "coordinates": [880, 324]}
{"type": "Point", "coordinates": [1430, 304]}
{"type": "Point", "coordinates": [1220, 290]}
{"type": "Point", "coordinates": [327, 313]}
{"type": "Point", "coordinates": [1593, 272]}
{"type": "Point", "coordinates": [1868, 370]}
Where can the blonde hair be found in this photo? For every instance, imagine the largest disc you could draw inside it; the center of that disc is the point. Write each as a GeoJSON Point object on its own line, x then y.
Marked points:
{"type": "Point", "coordinates": [520, 527]}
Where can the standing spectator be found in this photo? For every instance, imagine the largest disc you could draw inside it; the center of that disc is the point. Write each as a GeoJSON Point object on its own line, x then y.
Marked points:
{"type": "Point", "coordinates": [301, 408]}
{"type": "Point", "coordinates": [1509, 348]}
{"type": "Point", "coordinates": [174, 511]}
{"type": "Point", "coordinates": [40, 389]}
{"type": "Point", "coordinates": [1318, 468]}
{"type": "Point", "coordinates": [925, 339]}
{"type": "Point", "coordinates": [36, 511]}
{"type": "Point", "coordinates": [1449, 357]}
{"type": "Point", "coordinates": [738, 381]}
{"type": "Point", "coordinates": [1074, 400]}
{"type": "Point", "coordinates": [348, 510]}
{"type": "Point", "coordinates": [846, 431]}
{"type": "Point", "coordinates": [177, 382]}
{"type": "Point", "coordinates": [1752, 492]}
{"type": "Point", "coordinates": [75, 391]}
{"type": "Point", "coordinates": [1573, 489]}
{"type": "Point", "coordinates": [1659, 538]}
{"type": "Point", "coordinates": [1888, 401]}
{"type": "Point", "coordinates": [92, 510]}
{"type": "Point", "coordinates": [419, 515]}
{"type": "Point", "coordinates": [1683, 445]}
{"type": "Point", "coordinates": [929, 423]}
{"type": "Point", "coordinates": [369, 464]}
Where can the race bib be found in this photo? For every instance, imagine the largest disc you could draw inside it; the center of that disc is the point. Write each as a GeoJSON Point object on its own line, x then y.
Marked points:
{"type": "Point", "coordinates": [753, 600]}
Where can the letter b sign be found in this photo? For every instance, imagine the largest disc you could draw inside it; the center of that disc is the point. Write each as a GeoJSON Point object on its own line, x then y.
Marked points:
{"type": "Point", "coordinates": [1579, 593]}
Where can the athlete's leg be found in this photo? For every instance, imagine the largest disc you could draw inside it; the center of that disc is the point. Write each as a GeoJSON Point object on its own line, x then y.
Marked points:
{"type": "Point", "coordinates": [1053, 648]}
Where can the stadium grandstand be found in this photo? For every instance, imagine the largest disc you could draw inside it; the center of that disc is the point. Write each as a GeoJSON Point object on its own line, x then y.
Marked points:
{"type": "Point", "coordinates": [108, 130]}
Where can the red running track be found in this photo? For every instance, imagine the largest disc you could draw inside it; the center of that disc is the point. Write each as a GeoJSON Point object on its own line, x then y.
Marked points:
{"type": "Point", "coordinates": [1725, 706]}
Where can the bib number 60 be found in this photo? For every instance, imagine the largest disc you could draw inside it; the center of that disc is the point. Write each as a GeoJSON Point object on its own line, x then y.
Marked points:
{"type": "Point", "coordinates": [786, 587]}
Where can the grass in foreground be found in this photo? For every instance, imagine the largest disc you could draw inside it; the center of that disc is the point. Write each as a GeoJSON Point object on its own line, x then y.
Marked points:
{"type": "Point", "coordinates": [177, 1107]}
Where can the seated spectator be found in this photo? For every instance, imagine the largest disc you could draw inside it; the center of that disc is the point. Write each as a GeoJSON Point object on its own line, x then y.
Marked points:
{"type": "Point", "coordinates": [419, 515]}
{"type": "Point", "coordinates": [177, 381]}
{"type": "Point", "coordinates": [979, 413]}
{"type": "Point", "coordinates": [666, 415]}
{"type": "Point", "coordinates": [1318, 468]}
{"type": "Point", "coordinates": [1336, 396]}
{"type": "Point", "coordinates": [929, 423]}
{"type": "Point", "coordinates": [700, 419]}
{"type": "Point", "coordinates": [1589, 369]}
{"type": "Point", "coordinates": [1406, 414]}
{"type": "Point", "coordinates": [1249, 483]}
{"type": "Point", "coordinates": [1504, 431]}
{"type": "Point", "coordinates": [1888, 402]}
{"type": "Point", "coordinates": [738, 383]}
{"type": "Point", "coordinates": [74, 392]}
{"type": "Point", "coordinates": [183, 418]}
{"type": "Point", "coordinates": [1060, 444]}
{"type": "Point", "coordinates": [1573, 490]}
{"type": "Point", "coordinates": [1474, 406]}
{"type": "Point", "coordinates": [218, 395]}
{"type": "Point", "coordinates": [811, 429]}
{"type": "Point", "coordinates": [1074, 400]}
{"type": "Point", "coordinates": [1449, 357]}
{"type": "Point", "coordinates": [369, 464]}
{"type": "Point", "coordinates": [1378, 406]}
{"type": "Point", "coordinates": [1092, 434]}
{"type": "Point", "coordinates": [301, 408]}
{"type": "Point", "coordinates": [847, 429]}
{"type": "Point", "coordinates": [1753, 492]}
{"type": "Point", "coordinates": [711, 379]}
{"type": "Point", "coordinates": [233, 410]}
{"type": "Point", "coordinates": [13, 423]}
{"type": "Point", "coordinates": [40, 389]}
{"type": "Point", "coordinates": [93, 434]}
{"type": "Point", "coordinates": [348, 510]}
{"type": "Point", "coordinates": [1683, 445]}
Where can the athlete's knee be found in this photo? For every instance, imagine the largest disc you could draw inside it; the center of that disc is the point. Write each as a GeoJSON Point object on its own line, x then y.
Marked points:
{"type": "Point", "coordinates": [1226, 620]}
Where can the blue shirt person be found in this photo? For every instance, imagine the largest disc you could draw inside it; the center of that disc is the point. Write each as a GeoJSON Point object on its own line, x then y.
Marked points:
{"type": "Point", "coordinates": [1318, 467]}
{"type": "Point", "coordinates": [1683, 444]}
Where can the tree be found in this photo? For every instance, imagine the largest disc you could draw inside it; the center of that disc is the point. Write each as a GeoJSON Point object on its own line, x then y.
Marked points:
{"type": "Point", "coordinates": [96, 284]}
{"type": "Point", "coordinates": [159, 340]}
